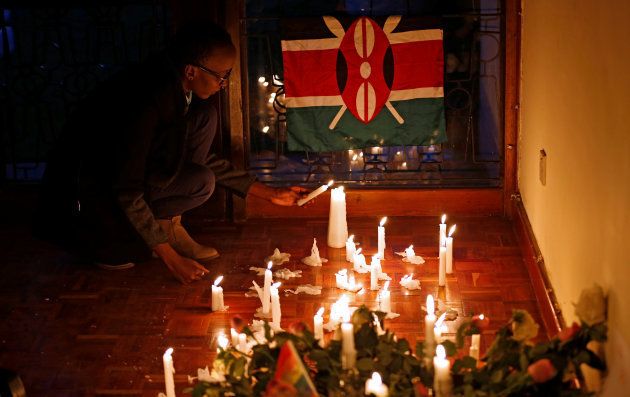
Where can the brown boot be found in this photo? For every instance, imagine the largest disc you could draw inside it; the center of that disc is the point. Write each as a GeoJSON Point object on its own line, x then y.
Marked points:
{"type": "Point", "coordinates": [181, 241]}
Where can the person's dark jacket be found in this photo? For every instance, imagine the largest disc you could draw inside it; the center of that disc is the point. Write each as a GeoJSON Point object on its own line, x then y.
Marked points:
{"type": "Point", "coordinates": [126, 135]}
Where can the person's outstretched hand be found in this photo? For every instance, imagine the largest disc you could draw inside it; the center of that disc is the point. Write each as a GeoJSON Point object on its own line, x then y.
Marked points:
{"type": "Point", "coordinates": [184, 269]}
{"type": "Point", "coordinates": [280, 196]}
{"type": "Point", "coordinates": [288, 196]}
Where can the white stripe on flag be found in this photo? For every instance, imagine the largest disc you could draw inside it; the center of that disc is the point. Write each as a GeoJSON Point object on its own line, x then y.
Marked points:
{"type": "Point", "coordinates": [415, 35]}
{"type": "Point", "coordinates": [424, 92]}
{"type": "Point", "coordinates": [311, 45]}
{"type": "Point", "coordinates": [306, 101]}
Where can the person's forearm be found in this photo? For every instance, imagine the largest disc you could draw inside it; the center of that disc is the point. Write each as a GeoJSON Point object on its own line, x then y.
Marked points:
{"type": "Point", "coordinates": [262, 191]}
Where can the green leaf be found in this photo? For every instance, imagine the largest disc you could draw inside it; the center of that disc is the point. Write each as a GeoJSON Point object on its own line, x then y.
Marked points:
{"type": "Point", "coordinates": [449, 347]}
{"type": "Point", "coordinates": [464, 363]}
{"type": "Point", "coordinates": [365, 365]}
{"type": "Point", "coordinates": [497, 376]}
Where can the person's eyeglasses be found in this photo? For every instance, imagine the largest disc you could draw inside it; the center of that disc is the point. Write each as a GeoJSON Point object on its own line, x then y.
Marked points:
{"type": "Point", "coordinates": [222, 79]}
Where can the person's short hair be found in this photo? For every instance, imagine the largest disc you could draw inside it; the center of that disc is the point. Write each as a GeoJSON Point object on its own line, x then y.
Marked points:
{"type": "Point", "coordinates": [196, 40]}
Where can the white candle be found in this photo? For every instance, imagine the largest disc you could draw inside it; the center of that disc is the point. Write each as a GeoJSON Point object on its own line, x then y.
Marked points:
{"type": "Point", "coordinates": [169, 371]}
{"type": "Point", "coordinates": [318, 326]}
{"type": "Point", "coordinates": [337, 223]}
{"type": "Point", "coordinates": [381, 238]}
{"type": "Point", "coordinates": [474, 346]}
{"type": "Point", "coordinates": [314, 193]}
{"type": "Point", "coordinates": [348, 352]}
{"type": "Point", "coordinates": [350, 248]}
{"type": "Point", "coordinates": [439, 328]}
{"type": "Point", "coordinates": [341, 277]}
{"type": "Point", "coordinates": [276, 314]}
{"type": "Point", "coordinates": [409, 283]}
{"type": "Point", "coordinates": [410, 253]}
{"type": "Point", "coordinates": [429, 324]}
{"type": "Point", "coordinates": [374, 272]}
{"type": "Point", "coordinates": [222, 341]}
{"type": "Point", "coordinates": [442, 383]}
{"type": "Point", "coordinates": [449, 250]}
{"type": "Point", "coordinates": [339, 308]}
{"type": "Point", "coordinates": [385, 299]}
{"type": "Point", "coordinates": [359, 261]}
{"type": "Point", "coordinates": [242, 343]}
{"type": "Point", "coordinates": [375, 386]}
{"type": "Point", "coordinates": [443, 230]}
{"type": "Point", "coordinates": [266, 286]}
{"type": "Point", "coordinates": [217, 295]}
{"type": "Point", "coordinates": [234, 337]}
{"type": "Point", "coordinates": [442, 270]}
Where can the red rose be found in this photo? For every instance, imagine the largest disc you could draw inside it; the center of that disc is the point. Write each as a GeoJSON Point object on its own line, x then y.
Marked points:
{"type": "Point", "coordinates": [542, 370]}
{"type": "Point", "coordinates": [480, 321]}
{"type": "Point", "coordinates": [420, 389]}
{"type": "Point", "coordinates": [569, 333]}
{"type": "Point", "coordinates": [238, 323]}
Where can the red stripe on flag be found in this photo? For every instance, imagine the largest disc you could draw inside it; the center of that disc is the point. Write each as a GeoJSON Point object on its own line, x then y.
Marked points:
{"type": "Point", "coordinates": [310, 73]}
{"type": "Point", "coordinates": [418, 64]}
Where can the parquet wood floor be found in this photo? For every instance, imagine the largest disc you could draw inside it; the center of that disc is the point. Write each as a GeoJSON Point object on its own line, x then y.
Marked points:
{"type": "Point", "coordinates": [71, 329]}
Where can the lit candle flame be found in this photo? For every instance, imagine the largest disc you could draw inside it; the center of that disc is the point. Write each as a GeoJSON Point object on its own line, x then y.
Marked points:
{"type": "Point", "coordinates": [351, 238]}
{"type": "Point", "coordinates": [341, 189]}
{"type": "Point", "coordinates": [440, 352]}
{"type": "Point", "coordinates": [376, 378]}
{"type": "Point", "coordinates": [452, 230]}
{"type": "Point", "coordinates": [411, 247]}
{"type": "Point", "coordinates": [320, 312]}
{"type": "Point", "coordinates": [330, 183]}
{"type": "Point", "coordinates": [276, 285]}
{"type": "Point", "coordinates": [218, 281]}
{"type": "Point", "coordinates": [168, 352]}
{"type": "Point", "coordinates": [443, 218]}
{"type": "Point", "coordinates": [269, 264]}
{"type": "Point", "coordinates": [383, 221]}
{"type": "Point", "coordinates": [481, 316]}
{"type": "Point", "coordinates": [430, 305]}
{"type": "Point", "coordinates": [261, 79]}
{"type": "Point", "coordinates": [355, 157]}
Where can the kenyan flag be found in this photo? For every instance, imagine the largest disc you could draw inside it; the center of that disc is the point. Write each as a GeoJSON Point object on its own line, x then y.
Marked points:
{"type": "Point", "coordinates": [363, 82]}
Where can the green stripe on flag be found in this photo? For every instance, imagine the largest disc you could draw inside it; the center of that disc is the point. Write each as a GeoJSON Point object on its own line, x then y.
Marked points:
{"type": "Point", "coordinates": [424, 125]}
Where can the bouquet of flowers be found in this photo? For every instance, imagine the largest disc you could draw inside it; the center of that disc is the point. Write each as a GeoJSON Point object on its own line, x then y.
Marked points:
{"type": "Point", "coordinates": [512, 366]}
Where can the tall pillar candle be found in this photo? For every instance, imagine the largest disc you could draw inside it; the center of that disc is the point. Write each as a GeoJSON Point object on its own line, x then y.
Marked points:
{"type": "Point", "coordinates": [169, 371]}
{"type": "Point", "coordinates": [474, 346]}
{"type": "Point", "coordinates": [442, 382]}
{"type": "Point", "coordinates": [217, 295]}
{"type": "Point", "coordinates": [350, 248]}
{"type": "Point", "coordinates": [381, 238]}
{"type": "Point", "coordinates": [242, 343]}
{"type": "Point", "coordinates": [429, 325]}
{"type": "Point", "coordinates": [442, 230]}
{"type": "Point", "coordinates": [318, 326]}
{"type": "Point", "coordinates": [276, 314]}
{"type": "Point", "coordinates": [375, 268]}
{"type": "Point", "coordinates": [449, 250]}
{"type": "Point", "coordinates": [348, 352]}
{"type": "Point", "coordinates": [234, 337]}
{"type": "Point", "coordinates": [314, 193]}
{"type": "Point", "coordinates": [266, 301]}
{"type": "Point", "coordinates": [337, 223]}
{"type": "Point", "coordinates": [442, 269]}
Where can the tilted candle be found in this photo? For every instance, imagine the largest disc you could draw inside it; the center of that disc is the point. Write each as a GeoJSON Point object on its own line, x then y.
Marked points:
{"type": "Point", "coordinates": [314, 193]}
{"type": "Point", "coordinates": [266, 299]}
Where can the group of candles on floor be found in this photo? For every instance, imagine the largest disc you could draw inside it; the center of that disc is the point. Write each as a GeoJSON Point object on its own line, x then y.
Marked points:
{"type": "Point", "coordinates": [340, 313]}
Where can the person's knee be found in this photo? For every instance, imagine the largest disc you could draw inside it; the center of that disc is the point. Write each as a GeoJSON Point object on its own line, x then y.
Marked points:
{"type": "Point", "coordinates": [204, 181]}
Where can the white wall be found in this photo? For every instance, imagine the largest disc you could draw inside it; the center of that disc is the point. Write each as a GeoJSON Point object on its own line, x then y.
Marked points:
{"type": "Point", "coordinates": [575, 93]}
